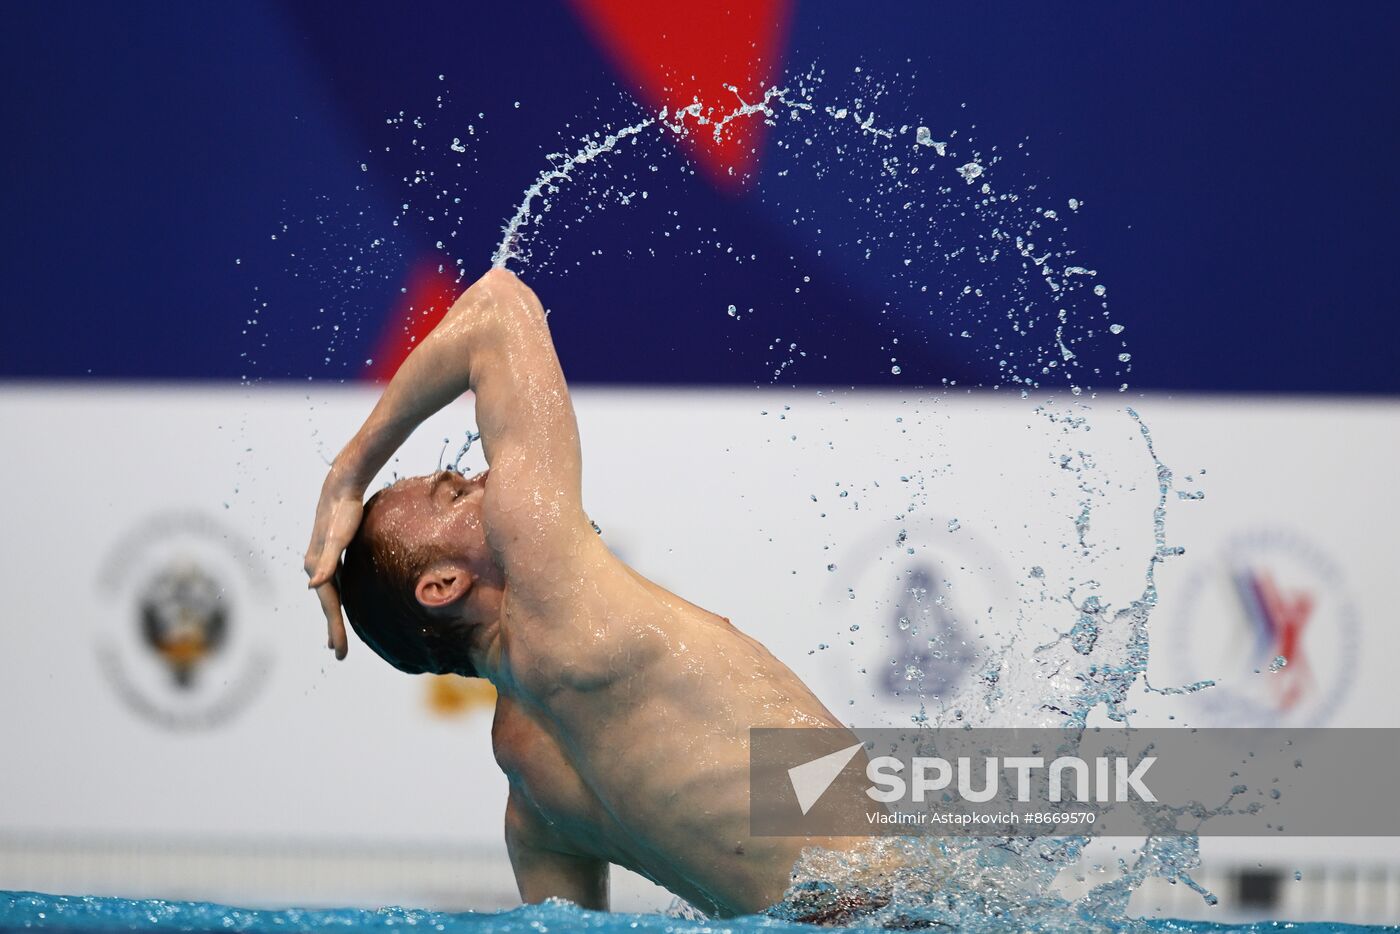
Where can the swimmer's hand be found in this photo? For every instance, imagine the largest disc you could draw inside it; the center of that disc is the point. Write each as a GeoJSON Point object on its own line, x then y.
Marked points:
{"type": "Point", "coordinates": [337, 518]}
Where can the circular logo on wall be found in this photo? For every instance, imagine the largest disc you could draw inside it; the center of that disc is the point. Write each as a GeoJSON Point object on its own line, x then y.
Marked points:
{"type": "Point", "coordinates": [1272, 622]}
{"type": "Point", "coordinates": [919, 607]}
{"type": "Point", "coordinates": [174, 641]}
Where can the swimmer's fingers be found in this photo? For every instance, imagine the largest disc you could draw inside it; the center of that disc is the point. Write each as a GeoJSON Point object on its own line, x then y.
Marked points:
{"type": "Point", "coordinates": [313, 562]}
{"type": "Point", "coordinates": [321, 569]}
{"type": "Point", "coordinates": [336, 525]}
{"type": "Point", "coordinates": [338, 515]}
{"type": "Point", "coordinates": [335, 622]}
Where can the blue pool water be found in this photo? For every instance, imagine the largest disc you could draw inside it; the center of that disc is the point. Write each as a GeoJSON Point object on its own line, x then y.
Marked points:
{"type": "Point", "coordinates": [33, 911]}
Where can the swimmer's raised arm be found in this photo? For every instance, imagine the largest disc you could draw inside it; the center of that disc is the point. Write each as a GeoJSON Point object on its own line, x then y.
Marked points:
{"type": "Point", "coordinates": [495, 342]}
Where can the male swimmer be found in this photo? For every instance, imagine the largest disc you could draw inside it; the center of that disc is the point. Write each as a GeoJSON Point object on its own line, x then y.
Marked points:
{"type": "Point", "coordinates": [623, 712]}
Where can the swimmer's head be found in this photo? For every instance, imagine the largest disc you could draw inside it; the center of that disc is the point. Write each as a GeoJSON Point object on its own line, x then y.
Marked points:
{"type": "Point", "coordinates": [418, 583]}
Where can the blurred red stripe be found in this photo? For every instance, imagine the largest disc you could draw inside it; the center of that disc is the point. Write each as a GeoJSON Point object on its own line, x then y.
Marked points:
{"type": "Point", "coordinates": [427, 295]}
{"type": "Point", "coordinates": [675, 53]}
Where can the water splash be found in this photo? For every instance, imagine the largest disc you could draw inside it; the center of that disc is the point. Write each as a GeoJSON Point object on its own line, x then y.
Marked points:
{"type": "Point", "coordinates": [472, 438]}
{"type": "Point", "coordinates": [560, 172]}
{"type": "Point", "coordinates": [943, 235]}
{"type": "Point", "coordinates": [988, 884]}
{"type": "Point", "coordinates": [562, 166]}
{"type": "Point", "coordinates": [1098, 660]}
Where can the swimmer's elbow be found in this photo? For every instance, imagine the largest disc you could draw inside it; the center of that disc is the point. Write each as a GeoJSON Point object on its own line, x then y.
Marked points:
{"type": "Point", "coordinates": [507, 299]}
{"type": "Point", "coordinates": [489, 307]}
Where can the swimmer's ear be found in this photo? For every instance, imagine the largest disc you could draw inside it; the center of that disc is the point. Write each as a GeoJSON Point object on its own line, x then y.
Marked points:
{"type": "Point", "coordinates": [443, 584]}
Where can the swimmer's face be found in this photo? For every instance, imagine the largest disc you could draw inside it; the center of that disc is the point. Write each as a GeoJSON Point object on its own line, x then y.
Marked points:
{"type": "Point", "coordinates": [441, 515]}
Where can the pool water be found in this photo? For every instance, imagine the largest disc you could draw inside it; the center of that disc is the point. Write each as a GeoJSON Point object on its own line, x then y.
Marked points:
{"type": "Point", "coordinates": [33, 911]}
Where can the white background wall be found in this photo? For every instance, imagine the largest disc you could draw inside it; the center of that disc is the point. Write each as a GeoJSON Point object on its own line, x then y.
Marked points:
{"type": "Point", "coordinates": [315, 761]}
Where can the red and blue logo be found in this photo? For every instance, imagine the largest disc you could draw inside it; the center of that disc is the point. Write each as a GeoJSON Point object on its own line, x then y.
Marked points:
{"type": "Point", "coordinates": [1278, 618]}
{"type": "Point", "coordinates": [1271, 620]}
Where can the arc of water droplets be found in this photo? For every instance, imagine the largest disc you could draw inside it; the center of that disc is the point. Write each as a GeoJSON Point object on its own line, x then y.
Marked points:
{"type": "Point", "coordinates": [550, 179]}
{"type": "Point", "coordinates": [1104, 681]}
{"type": "Point", "coordinates": [561, 172]}
{"type": "Point", "coordinates": [562, 169]}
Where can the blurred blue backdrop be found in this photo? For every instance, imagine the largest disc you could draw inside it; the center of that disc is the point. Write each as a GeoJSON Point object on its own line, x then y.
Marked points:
{"type": "Point", "coordinates": [1236, 162]}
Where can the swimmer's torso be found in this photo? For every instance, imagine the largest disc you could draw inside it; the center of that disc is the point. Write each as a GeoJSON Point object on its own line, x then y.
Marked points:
{"type": "Point", "coordinates": [623, 726]}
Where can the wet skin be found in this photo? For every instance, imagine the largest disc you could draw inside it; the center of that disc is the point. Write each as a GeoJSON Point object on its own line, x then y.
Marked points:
{"type": "Point", "coordinates": [623, 713]}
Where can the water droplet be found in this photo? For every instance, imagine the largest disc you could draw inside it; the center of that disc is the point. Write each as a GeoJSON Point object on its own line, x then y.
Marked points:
{"type": "Point", "coordinates": [970, 171]}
